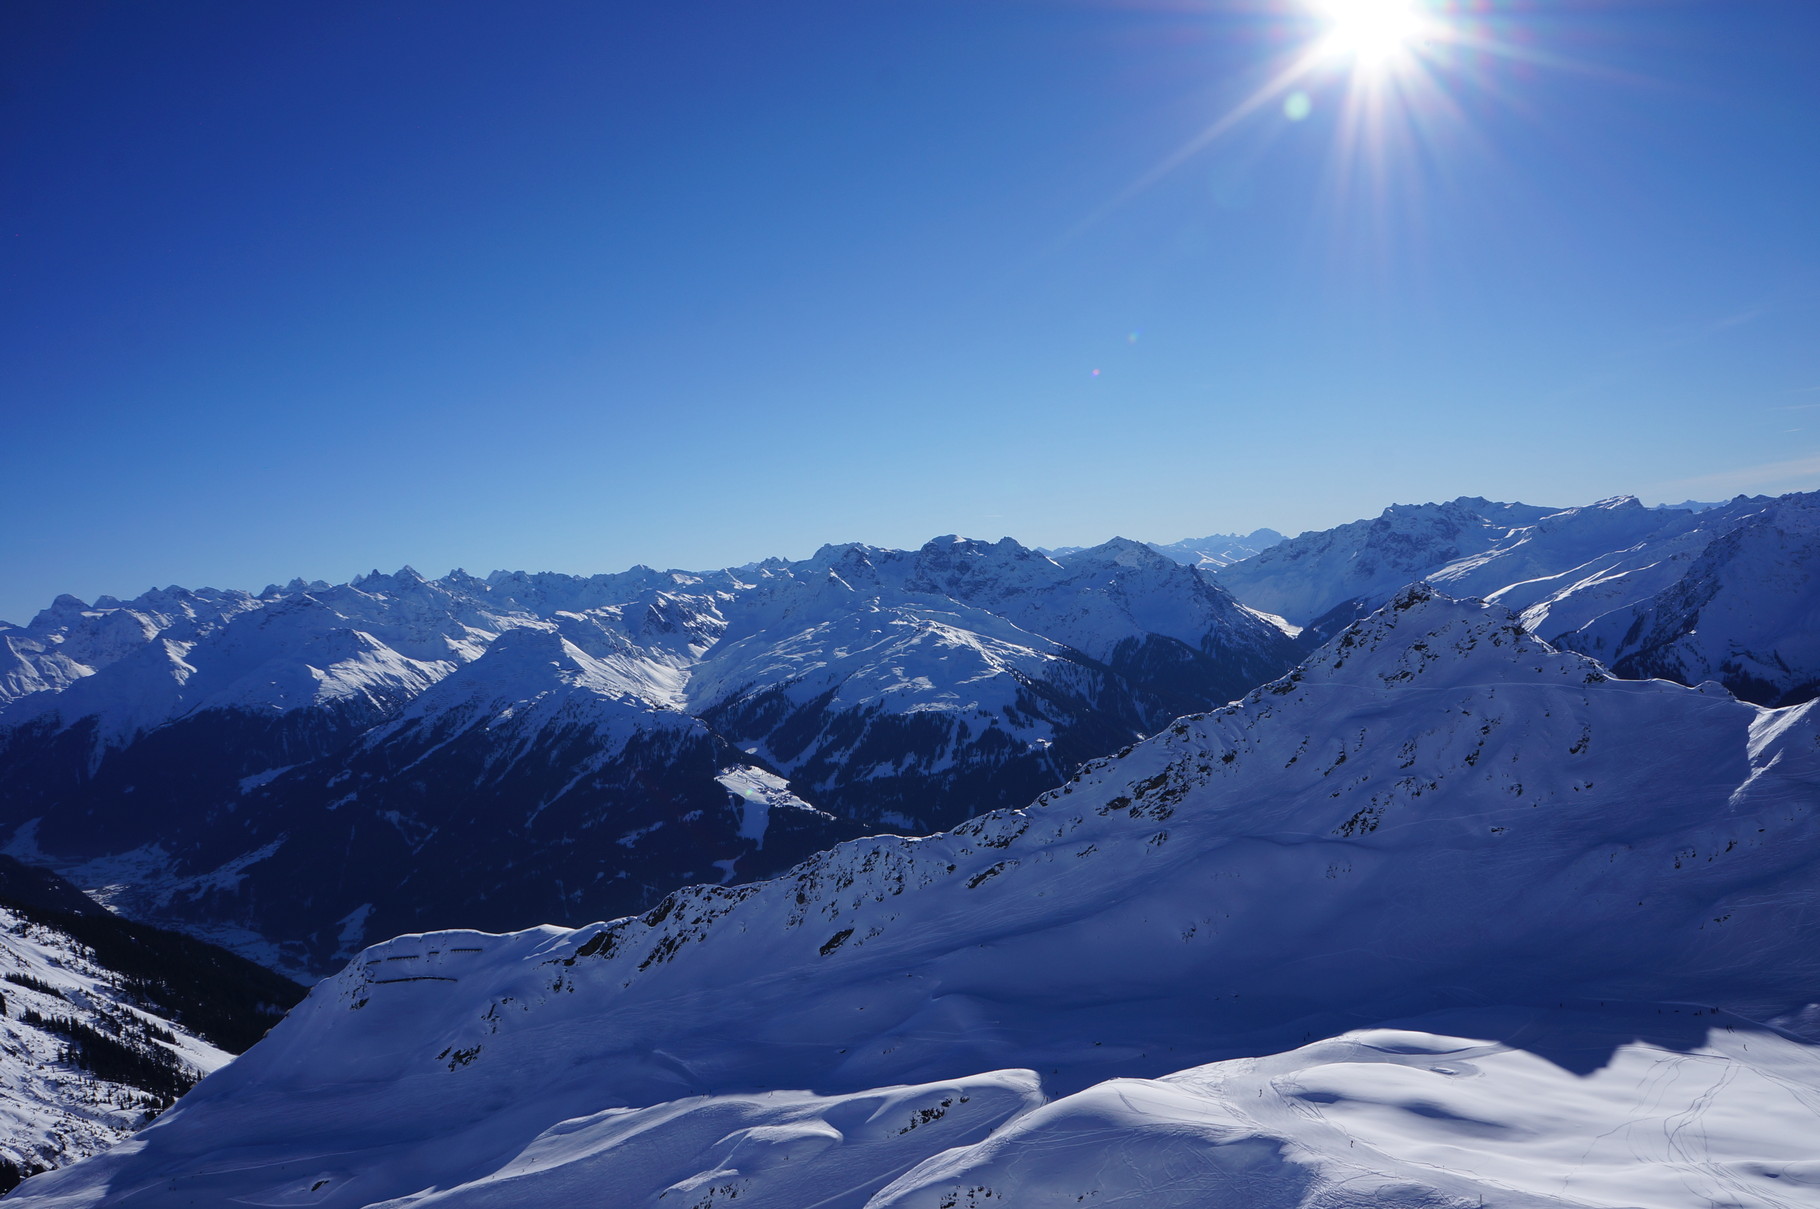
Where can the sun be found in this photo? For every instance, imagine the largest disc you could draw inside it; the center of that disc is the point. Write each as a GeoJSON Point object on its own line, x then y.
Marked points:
{"type": "Point", "coordinates": [1372, 33]}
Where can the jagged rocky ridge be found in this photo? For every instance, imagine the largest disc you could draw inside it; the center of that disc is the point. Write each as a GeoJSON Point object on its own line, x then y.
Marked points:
{"type": "Point", "coordinates": [299, 771]}
{"type": "Point", "coordinates": [1722, 592]}
{"type": "Point", "coordinates": [1165, 981]}
{"type": "Point", "coordinates": [103, 1022]}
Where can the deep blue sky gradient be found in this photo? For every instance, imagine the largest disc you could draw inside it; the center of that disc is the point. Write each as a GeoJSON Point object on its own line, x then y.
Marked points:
{"type": "Point", "coordinates": [309, 288]}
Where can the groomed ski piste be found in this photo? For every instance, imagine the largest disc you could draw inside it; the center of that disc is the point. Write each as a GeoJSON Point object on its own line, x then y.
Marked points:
{"type": "Point", "coordinates": [1446, 917]}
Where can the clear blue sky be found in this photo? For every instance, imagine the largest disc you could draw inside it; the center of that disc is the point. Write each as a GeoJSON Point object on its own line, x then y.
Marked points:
{"type": "Point", "coordinates": [308, 288]}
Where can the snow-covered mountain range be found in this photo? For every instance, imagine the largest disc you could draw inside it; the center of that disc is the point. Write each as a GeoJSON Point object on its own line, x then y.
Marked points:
{"type": "Point", "coordinates": [103, 1023]}
{"type": "Point", "coordinates": [301, 771]}
{"type": "Point", "coordinates": [1210, 553]}
{"type": "Point", "coordinates": [1722, 592]}
{"type": "Point", "coordinates": [1445, 917]}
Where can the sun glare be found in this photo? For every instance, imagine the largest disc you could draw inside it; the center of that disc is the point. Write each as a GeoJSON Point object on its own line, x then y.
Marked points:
{"type": "Point", "coordinates": [1382, 71]}
{"type": "Point", "coordinates": [1370, 32]}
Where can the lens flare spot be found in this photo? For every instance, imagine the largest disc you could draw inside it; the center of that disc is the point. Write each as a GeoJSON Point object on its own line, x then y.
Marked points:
{"type": "Point", "coordinates": [1371, 32]}
{"type": "Point", "coordinates": [1297, 106]}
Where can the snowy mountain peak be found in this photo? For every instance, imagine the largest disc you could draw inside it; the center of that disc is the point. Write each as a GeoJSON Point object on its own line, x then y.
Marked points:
{"type": "Point", "coordinates": [401, 582]}
{"type": "Point", "coordinates": [530, 664]}
{"type": "Point", "coordinates": [1208, 553]}
{"type": "Point", "coordinates": [64, 606]}
{"type": "Point", "coordinates": [1122, 552]}
{"type": "Point", "coordinates": [297, 587]}
{"type": "Point", "coordinates": [1424, 638]}
{"type": "Point", "coordinates": [1439, 810]}
{"type": "Point", "coordinates": [1361, 563]}
{"type": "Point", "coordinates": [952, 551]}
{"type": "Point", "coordinates": [849, 560]}
{"type": "Point", "coordinates": [959, 565]}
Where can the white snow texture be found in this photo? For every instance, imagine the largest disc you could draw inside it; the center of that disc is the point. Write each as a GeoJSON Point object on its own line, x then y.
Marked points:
{"type": "Point", "coordinates": [1447, 917]}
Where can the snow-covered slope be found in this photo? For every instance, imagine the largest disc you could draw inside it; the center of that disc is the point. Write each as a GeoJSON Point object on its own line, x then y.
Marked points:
{"type": "Point", "coordinates": [1520, 566]}
{"type": "Point", "coordinates": [52, 1111]}
{"type": "Point", "coordinates": [1307, 576]}
{"type": "Point", "coordinates": [1164, 982]}
{"type": "Point", "coordinates": [512, 789]}
{"type": "Point", "coordinates": [917, 688]}
{"type": "Point", "coordinates": [103, 1023]}
{"type": "Point", "coordinates": [1658, 1105]}
{"type": "Point", "coordinates": [1720, 592]}
{"type": "Point", "coordinates": [301, 771]}
{"type": "Point", "coordinates": [71, 640]}
{"type": "Point", "coordinates": [1741, 603]}
{"type": "Point", "coordinates": [1212, 552]}
{"type": "Point", "coordinates": [357, 651]}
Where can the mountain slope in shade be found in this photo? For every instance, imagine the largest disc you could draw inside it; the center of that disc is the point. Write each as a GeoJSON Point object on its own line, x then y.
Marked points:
{"type": "Point", "coordinates": [1536, 1108]}
{"type": "Point", "coordinates": [105, 1022]}
{"type": "Point", "coordinates": [1523, 566]}
{"type": "Point", "coordinates": [1160, 980]}
{"type": "Point", "coordinates": [536, 781]}
{"type": "Point", "coordinates": [1743, 607]}
{"type": "Point", "coordinates": [915, 688]}
{"type": "Point", "coordinates": [334, 763]}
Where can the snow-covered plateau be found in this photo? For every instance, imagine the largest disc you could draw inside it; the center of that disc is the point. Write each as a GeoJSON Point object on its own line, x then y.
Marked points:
{"type": "Point", "coordinates": [1446, 917]}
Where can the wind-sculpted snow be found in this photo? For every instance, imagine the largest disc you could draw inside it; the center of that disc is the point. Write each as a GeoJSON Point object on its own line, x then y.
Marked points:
{"type": "Point", "coordinates": [1670, 1105]}
{"type": "Point", "coordinates": [1138, 987]}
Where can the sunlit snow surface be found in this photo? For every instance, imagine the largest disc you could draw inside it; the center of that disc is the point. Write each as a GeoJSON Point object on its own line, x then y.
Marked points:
{"type": "Point", "coordinates": [1726, 592]}
{"type": "Point", "coordinates": [1164, 984]}
{"type": "Point", "coordinates": [52, 1112]}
